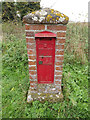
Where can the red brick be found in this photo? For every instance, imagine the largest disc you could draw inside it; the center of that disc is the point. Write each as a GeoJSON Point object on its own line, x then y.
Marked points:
{"type": "Point", "coordinates": [59, 68]}
{"type": "Point", "coordinates": [59, 47]}
{"type": "Point", "coordinates": [55, 27]}
{"type": "Point", "coordinates": [59, 63]}
{"type": "Point", "coordinates": [27, 27]}
{"type": "Point", "coordinates": [31, 77]}
{"type": "Point", "coordinates": [32, 57]}
{"type": "Point", "coordinates": [32, 68]}
{"type": "Point", "coordinates": [32, 62]}
{"type": "Point", "coordinates": [33, 82]}
{"type": "Point", "coordinates": [30, 34]}
{"type": "Point", "coordinates": [58, 73]}
{"type": "Point", "coordinates": [59, 57]}
{"type": "Point", "coordinates": [32, 72]}
{"type": "Point", "coordinates": [30, 40]}
{"type": "Point", "coordinates": [61, 34]}
{"type": "Point", "coordinates": [29, 52]}
{"type": "Point", "coordinates": [30, 46]}
{"type": "Point", "coordinates": [59, 52]}
{"type": "Point", "coordinates": [58, 77]}
{"type": "Point", "coordinates": [57, 82]}
{"type": "Point", "coordinates": [60, 40]}
{"type": "Point", "coordinates": [32, 85]}
{"type": "Point", "coordinates": [35, 27]}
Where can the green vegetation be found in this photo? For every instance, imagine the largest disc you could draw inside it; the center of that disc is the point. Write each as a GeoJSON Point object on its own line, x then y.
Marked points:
{"type": "Point", "coordinates": [16, 11]}
{"type": "Point", "coordinates": [16, 79]}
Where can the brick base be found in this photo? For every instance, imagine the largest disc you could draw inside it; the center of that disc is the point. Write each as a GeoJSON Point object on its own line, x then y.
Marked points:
{"type": "Point", "coordinates": [52, 96]}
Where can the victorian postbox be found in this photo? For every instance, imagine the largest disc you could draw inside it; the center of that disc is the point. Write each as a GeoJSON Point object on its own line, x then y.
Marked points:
{"type": "Point", "coordinates": [45, 52]}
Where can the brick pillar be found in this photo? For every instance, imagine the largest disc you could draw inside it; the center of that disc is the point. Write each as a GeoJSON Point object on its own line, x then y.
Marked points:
{"type": "Point", "coordinates": [60, 31]}
{"type": "Point", "coordinates": [50, 92]}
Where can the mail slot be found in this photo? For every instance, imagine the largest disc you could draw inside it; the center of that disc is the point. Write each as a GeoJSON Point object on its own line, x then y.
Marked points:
{"type": "Point", "coordinates": [45, 52]}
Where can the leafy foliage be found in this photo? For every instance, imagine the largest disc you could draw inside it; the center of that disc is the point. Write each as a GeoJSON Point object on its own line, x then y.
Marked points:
{"type": "Point", "coordinates": [13, 11]}
{"type": "Point", "coordinates": [15, 55]}
{"type": "Point", "coordinates": [27, 7]}
{"type": "Point", "coordinates": [16, 79]}
{"type": "Point", "coordinates": [8, 11]}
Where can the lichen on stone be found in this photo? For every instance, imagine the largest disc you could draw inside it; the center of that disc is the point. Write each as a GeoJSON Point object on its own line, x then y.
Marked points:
{"type": "Point", "coordinates": [29, 98]}
{"type": "Point", "coordinates": [52, 11]}
{"type": "Point", "coordinates": [50, 97]}
{"type": "Point", "coordinates": [43, 13]}
{"type": "Point", "coordinates": [57, 18]}
{"type": "Point", "coordinates": [33, 12]}
{"type": "Point", "coordinates": [41, 19]}
{"type": "Point", "coordinates": [46, 15]}
{"type": "Point", "coordinates": [53, 94]}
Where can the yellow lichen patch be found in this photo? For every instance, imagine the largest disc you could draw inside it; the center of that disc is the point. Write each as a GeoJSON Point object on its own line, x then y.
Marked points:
{"type": "Point", "coordinates": [66, 18]}
{"type": "Point", "coordinates": [52, 11]}
{"type": "Point", "coordinates": [58, 14]}
{"type": "Point", "coordinates": [53, 19]}
{"type": "Point", "coordinates": [48, 17]}
{"type": "Point", "coordinates": [57, 18]}
{"type": "Point", "coordinates": [33, 12]}
{"type": "Point", "coordinates": [64, 15]}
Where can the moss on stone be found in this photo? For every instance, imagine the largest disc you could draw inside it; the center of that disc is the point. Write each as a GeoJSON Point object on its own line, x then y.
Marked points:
{"type": "Point", "coordinates": [50, 97]}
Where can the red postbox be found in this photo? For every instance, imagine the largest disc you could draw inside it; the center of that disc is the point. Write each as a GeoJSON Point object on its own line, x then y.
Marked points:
{"type": "Point", "coordinates": [45, 52]}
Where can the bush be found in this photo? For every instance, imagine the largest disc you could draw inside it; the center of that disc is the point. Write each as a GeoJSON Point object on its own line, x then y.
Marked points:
{"type": "Point", "coordinates": [15, 11]}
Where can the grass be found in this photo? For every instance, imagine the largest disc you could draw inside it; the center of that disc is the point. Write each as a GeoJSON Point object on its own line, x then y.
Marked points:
{"type": "Point", "coordinates": [77, 42]}
{"type": "Point", "coordinates": [16, 80]}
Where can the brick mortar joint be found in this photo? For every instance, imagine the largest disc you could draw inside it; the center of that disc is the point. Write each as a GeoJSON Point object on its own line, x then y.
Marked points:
{"type": "Point", "coordinates": [61, 31]}
{"type": "Point", "coordinates": [45, 24]}
{"type": "Point", "coordinates": [57, 49]}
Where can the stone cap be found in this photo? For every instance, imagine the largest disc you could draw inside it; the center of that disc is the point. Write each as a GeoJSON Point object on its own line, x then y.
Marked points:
{"type": "Point", "coordinates": [46, 16]}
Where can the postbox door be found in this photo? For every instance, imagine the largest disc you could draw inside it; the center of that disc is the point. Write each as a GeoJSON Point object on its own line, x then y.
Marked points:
{"type": "Point", "coordinates": [45, 48]}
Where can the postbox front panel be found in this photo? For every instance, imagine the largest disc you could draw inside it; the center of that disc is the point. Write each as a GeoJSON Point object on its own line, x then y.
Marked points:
{"type": "Point", "coordinates": [45, 48]}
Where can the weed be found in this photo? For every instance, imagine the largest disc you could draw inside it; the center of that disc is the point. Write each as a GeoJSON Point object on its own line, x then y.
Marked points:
{"type": "Point", "coordinates": [16, 79]}
{"type": "Point", "coordinates": [76, 47]}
